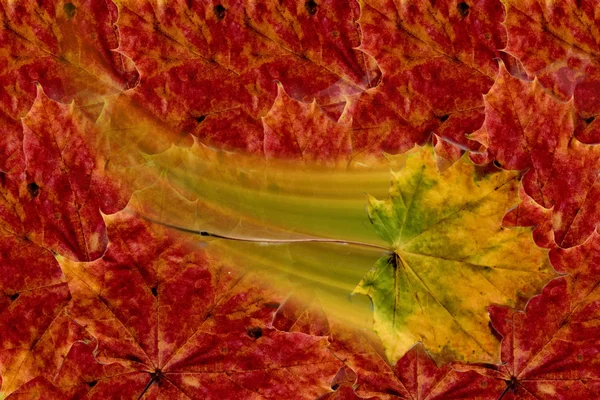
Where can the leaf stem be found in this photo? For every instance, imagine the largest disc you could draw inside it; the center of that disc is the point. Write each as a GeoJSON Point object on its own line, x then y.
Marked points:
{"type": "Point", "coordinates": [265, 240]}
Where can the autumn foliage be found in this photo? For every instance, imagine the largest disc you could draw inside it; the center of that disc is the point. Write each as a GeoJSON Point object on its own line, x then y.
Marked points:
{"type": "Point", "coordinates": [203, 199]}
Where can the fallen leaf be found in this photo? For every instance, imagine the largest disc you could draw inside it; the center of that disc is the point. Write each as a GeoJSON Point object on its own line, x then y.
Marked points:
{"type": "Point", "coordinates": [35, 332]}
{"type": "Point", "coordinates": [557, 42]}
{"type": "Point", "coordinates": [58, 199]}
{"type": "Point", "coordinates": [450, 258]}
{"type": "Point", "coordinates": [185, 324]}
{"type": "Point", "coordinates": [526, 128]}
{"type": "Point", "coordinates": [436, 61]}
{"type": "Point", "coordinates": [308, 94]}
{"type": "Point", "coordinates": [66, 48]}
{"type": "Point", "coordinates": [414, 376]}
{"type": "Point", "coordinates": [210, 69]}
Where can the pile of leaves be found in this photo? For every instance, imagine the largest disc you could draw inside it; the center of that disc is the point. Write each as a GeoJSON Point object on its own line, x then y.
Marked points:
{"type": "Point", "coordinates": [121, 118]}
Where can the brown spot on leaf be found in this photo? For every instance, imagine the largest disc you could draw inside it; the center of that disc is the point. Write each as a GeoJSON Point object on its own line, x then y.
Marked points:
{"type": "Point", "coordinates": [463, 9]}
{"type": "Point", "coordinates": [70, 10]}
{"type": "Point", "coordinates": [33, 189]}
{"type": "Point", "coordinates": [311, 7]}
{"type": "Point", "coordinates": [254, 332]}
{"type": "Point", "coordinates": [219, 11]}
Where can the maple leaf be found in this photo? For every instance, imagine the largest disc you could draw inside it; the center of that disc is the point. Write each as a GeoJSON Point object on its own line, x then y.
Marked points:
{"type": "Point", "coordinates": [414, 376]}
{"type": "Point", "coordinates": [557, 43]}
{"type": "Point", "coordinates": [57, 200]}
{"type": "Point", "coordinates": [428, 52]}
{"type": "Point", "coordinates": [182, 323]}
{"type": "Point", "coordinates": [66, 48]}
{"type": "Point", "coordinates": [367, 374]}
{"type": "Point", "coordinates": [559, 361]}
{"type": "Point", "coordinates": [35, 332]}
{"type": "Point", "coordinates": [451, 258]}
{"type": "Point", "coordinates": [527, 128]}
{"type": "Point", "coordinates": [496, 283]}
{"type": "Point", "coordinates": [210, 69]}
{"type": "Point", "coordinates": [316, 138]}
{"type": "Point", "coordinates": [63, 46]}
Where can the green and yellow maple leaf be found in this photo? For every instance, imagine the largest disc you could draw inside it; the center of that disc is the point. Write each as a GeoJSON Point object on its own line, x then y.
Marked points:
{"type": "Point", "coordinates": [450, 258]}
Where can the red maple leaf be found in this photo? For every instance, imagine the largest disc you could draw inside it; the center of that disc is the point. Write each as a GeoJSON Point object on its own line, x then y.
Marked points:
{"type": "Point", "coordinates": [428, 54]}
{"type": "Point", "coordinates": [557, 43]}
{"type": "Point", "coordinates": [414, 376]}
{"type": "Point", "coordinates": [57, 200]}
{"type": "Point", "coordinates": [551, 350]}
{"type": "Point", "coordinates": [66, 49]}
{"type": "Point", "coordinates": [182, 324]}
{"type": "Point", "coordinates": [211, 69]}
{"type": "Point", "coordinates": [526, 128]}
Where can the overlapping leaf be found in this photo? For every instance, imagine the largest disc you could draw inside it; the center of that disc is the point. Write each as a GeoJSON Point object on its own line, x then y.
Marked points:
{"type": "Point", "coordinates": [292, 80]}
{"type": "Point", "coordinates": [559, 361]}
{"type": "Point", "coordinates": [57, 200]}
{"type": "Point", "coordinates": [437, 59]}
{"type": "Point", "coordinates": [415, 375]}
{"type": "Point", "coordinates": [526, 128]}
{"type": "Point", "coordinates": [367, 374]}
{"type": "Point", "coordinates": [185, 325]}
{"type": "Point", "coordinates": [35, 332]}
{"type": "Point", "coordinates": [62, 46]}
{"type": "Point", "coordinates": [559, 43]}
{"type": "Point", "coordinates": [210, 69]}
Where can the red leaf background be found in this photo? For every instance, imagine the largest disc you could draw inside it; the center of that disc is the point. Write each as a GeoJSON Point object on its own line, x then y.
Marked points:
{"type": "Point", "coordinates": [111, 306]}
